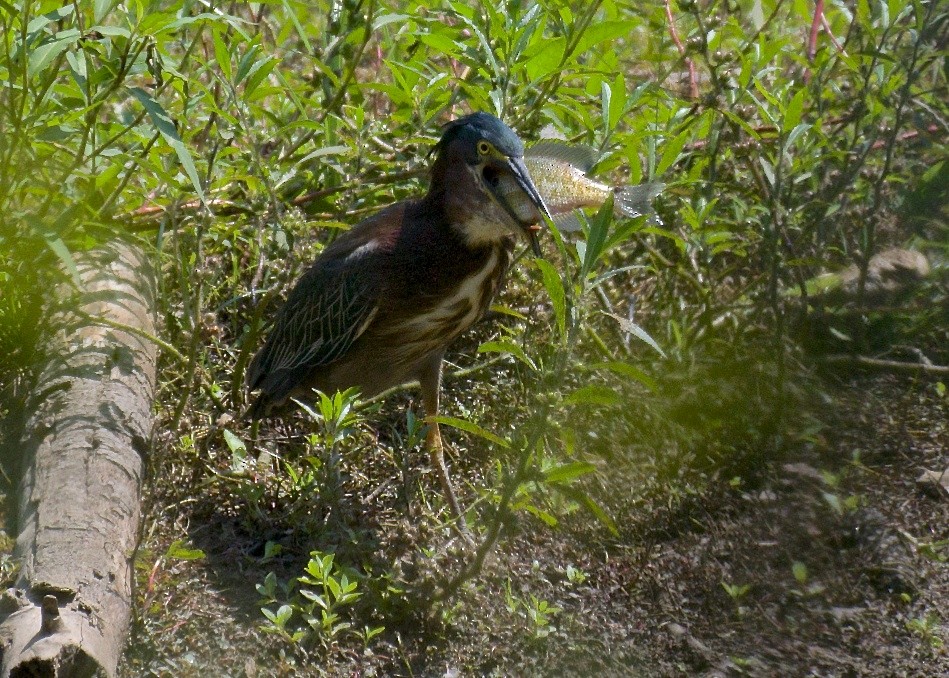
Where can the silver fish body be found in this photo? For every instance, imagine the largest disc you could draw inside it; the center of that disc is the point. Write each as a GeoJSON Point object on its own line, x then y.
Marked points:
{"type": "Point", "coordinates": [559, 171]}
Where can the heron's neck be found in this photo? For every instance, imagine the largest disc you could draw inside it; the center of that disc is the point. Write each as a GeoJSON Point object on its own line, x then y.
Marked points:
{"type": "Point", "coordinates": [467, 209]}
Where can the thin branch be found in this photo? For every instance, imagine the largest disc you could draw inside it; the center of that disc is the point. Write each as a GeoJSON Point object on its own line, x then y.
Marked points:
{"type": "Point", "coordinates": [815, 28]}
{"type": "Point", "coordinates": [830, 34]}
{"type": "Point", "coordinates": [897, 366]}
{"type": "Point", "coordinates": [690, 64]}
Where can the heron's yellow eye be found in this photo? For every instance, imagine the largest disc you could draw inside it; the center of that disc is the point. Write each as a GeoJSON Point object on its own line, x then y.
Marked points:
{"type": "Point", "coordinates": [483, 147]}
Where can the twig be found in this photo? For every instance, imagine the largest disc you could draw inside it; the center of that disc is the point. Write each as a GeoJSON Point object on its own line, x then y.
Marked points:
{"type": "Point", "coordinates": [885, 365]}
{"type": "Point", "coordinates": [769, 133]}
{"type": "Point", "coordinates": [830, 34]}
{"type": "Point", "coordinates": [693, 78]}
{"type": "Point", "coordinates": [224, 207]}
{"type": "Point", "coordinates": [393, 178]}
{"type": "Point", "coordinates": [815, 27]}
{"type": "Point", "coordinates": [221, 207]}
{"type": "Point", "coordinates": [102, 321]}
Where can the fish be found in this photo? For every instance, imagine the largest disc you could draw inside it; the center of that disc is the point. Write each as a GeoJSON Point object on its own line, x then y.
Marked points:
{"type": "Point", "coordinates": [559, 171]}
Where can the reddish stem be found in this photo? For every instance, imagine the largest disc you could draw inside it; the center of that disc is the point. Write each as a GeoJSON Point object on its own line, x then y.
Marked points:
{"type": "Point", "coordinates": [815, 27]}
{"type": "Point", "coordinates": [693, 78]}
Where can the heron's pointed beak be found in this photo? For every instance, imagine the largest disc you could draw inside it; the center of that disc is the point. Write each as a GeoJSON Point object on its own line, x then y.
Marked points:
{"type": "Point", "coordinates": [519, 170]}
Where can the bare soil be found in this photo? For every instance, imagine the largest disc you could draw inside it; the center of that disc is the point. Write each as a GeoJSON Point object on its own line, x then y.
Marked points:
{"type": "Point", "coordinates": [827, 562]}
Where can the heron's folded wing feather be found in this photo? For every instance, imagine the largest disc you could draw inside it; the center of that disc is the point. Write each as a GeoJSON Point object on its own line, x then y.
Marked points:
{"type": "Point", "coordinates": [330, 307]}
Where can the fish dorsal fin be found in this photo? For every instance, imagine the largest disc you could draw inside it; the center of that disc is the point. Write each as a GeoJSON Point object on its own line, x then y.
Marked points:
{"type": "Point", "coordinates": [578, 155]}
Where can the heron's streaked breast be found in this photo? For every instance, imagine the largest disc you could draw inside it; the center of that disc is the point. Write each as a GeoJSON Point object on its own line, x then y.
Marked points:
{"type": "Point", "coordinates": [456, 312]}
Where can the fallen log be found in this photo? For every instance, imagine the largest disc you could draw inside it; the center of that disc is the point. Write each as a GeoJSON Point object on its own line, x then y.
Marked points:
{"type": "Point", "coordinates": [82, 458]}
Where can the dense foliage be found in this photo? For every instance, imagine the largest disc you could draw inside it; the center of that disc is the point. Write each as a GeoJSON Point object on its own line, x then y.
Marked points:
{"type": "Point", "coordinates": [640, 361]}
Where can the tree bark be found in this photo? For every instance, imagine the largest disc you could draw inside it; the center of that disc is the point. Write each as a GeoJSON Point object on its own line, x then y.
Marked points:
{"type": "Point", "coordinates": [80, 491]}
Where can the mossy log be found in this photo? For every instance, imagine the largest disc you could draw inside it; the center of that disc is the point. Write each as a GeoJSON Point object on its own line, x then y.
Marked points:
{"type": "Point", "coordinates": [82, 459]}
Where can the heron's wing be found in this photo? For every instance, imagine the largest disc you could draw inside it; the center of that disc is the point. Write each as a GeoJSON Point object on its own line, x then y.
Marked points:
{"type": "Point", "coordinates": [329, 308]}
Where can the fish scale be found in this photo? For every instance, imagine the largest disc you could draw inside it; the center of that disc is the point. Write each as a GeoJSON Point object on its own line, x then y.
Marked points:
{"type": "Point", "coordinates": [559, 172]}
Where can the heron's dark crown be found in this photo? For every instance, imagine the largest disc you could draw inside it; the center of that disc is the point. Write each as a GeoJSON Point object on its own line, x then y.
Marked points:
{"type": "Point", "coordinates": [467, 131]}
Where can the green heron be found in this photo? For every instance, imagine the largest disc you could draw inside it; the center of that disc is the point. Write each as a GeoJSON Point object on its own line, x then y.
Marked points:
{"type": "Point", "coordinates": [381, 303]}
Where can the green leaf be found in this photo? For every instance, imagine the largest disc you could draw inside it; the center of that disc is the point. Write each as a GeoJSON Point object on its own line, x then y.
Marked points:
{"type": "Point", "coordinates": [111, 31]}
{"type": "Point", "coordinates": [326, 150]}
{"type": "Point", "coordinates": [602, 32]}
{"type": "Point", "coordinates": [221, 54]}
{"type": "Point", "coordinates": [47, 17]}
{"type": "Point", "coordinates": [240, 462]}
{"type": "Point", "coordinates": [568, 472]}
{"type": "Point", "coordinates": [260, 70]}
{"type": "Point", "coordinates": [672, 150]}
{"type": "Point", "coordinates": [507, 347]}
{"type": "Point", "coordinates": [555, 290]}
{"type": "Point", "coordinates": [282, 616]}
{"type": "Point", "coordinates": [166, 127]}
{"type": "Point", "coordinates": [440, 43]}
{"type": "Point", "coordinates": [233, 442]}
{"type": "Point", "coordinates": [637, 331]}
{"type": "Point", "coordinates": [387, 19]}
{"type": "Point", "coordinates": [537, 512]}
{"type": "Point", "coordinates": [101, 8]}
{"type": "Point", "coordinates": [627, 370]}
{"type": "Point", "coordinates": [469, 427]}
{"type": "Point", "coordinates": [596, 239]}
{"type": "Point", "coordinates": [178, 551]}
{"type": "Point", "coordinates": [767, 168]}
{"type": "Point", "coordinates": [606, 93]}
{"type": "Point", "coordinates": [593, 394]}
{"type": "Point", "coordinates": [547, 58]}
{"type": "Point", "coordinates": [507, 310]}
{"type": "Point", "coordinates": [43, 55]}
{"type": "Point", "coordinates": [795, 133]}
{"type": "Point", "coordinates": [334, 587]}
{"type": "Point", "coordinates": [599, 513]}
{"type": "Point", "coordinates": [794, 111]}
{"type": "Point", "coordinates": [56, 244]}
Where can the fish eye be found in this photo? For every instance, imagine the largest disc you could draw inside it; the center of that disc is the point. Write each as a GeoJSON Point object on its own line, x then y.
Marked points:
{"type": "Point", "coordinates": [483, 147]}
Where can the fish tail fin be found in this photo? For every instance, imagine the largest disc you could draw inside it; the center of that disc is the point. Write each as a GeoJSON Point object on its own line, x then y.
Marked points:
{"type": "Point", "coordinates": [636, 201]}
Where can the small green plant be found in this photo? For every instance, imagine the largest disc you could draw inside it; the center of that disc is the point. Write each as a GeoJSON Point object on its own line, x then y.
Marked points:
{"type": "Point", "coordinates": [316, 472]}
{"type": "Point", "coordinates": [9, 568]}
{"type": "Point", "coordinates": [742, 662]}
{"type": "Point", "coordinates": [336, 415]}
{"type": "Point", "coordinates": [336, 418]}
{"type": "Point", "coordinates": [937, 551]}
{"type": "Point", "coordinates": [179, 550]}
{"type": "Point", "coordinates": [311, 609]}
{"type": "Point", "coordinates": [799, 570]}
{"type": "Point", "coordinates": [840, 505]}
{"type": "Point", "coordinates": [927, 627]}
{"type": "Point", "coordinates": [737, 592]}
{"type": "Point", "coordinates": [538, 613]}
{"type": "Point", "coordinates": [575, 575]}
{"type": "Point", "coordinates": [807, 587]}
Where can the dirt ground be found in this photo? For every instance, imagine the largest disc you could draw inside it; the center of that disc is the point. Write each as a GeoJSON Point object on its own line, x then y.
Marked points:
{"type": "Point", "coordinates": [847, 609]}
{"type": "Point", "coordinates": [831, 562]}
